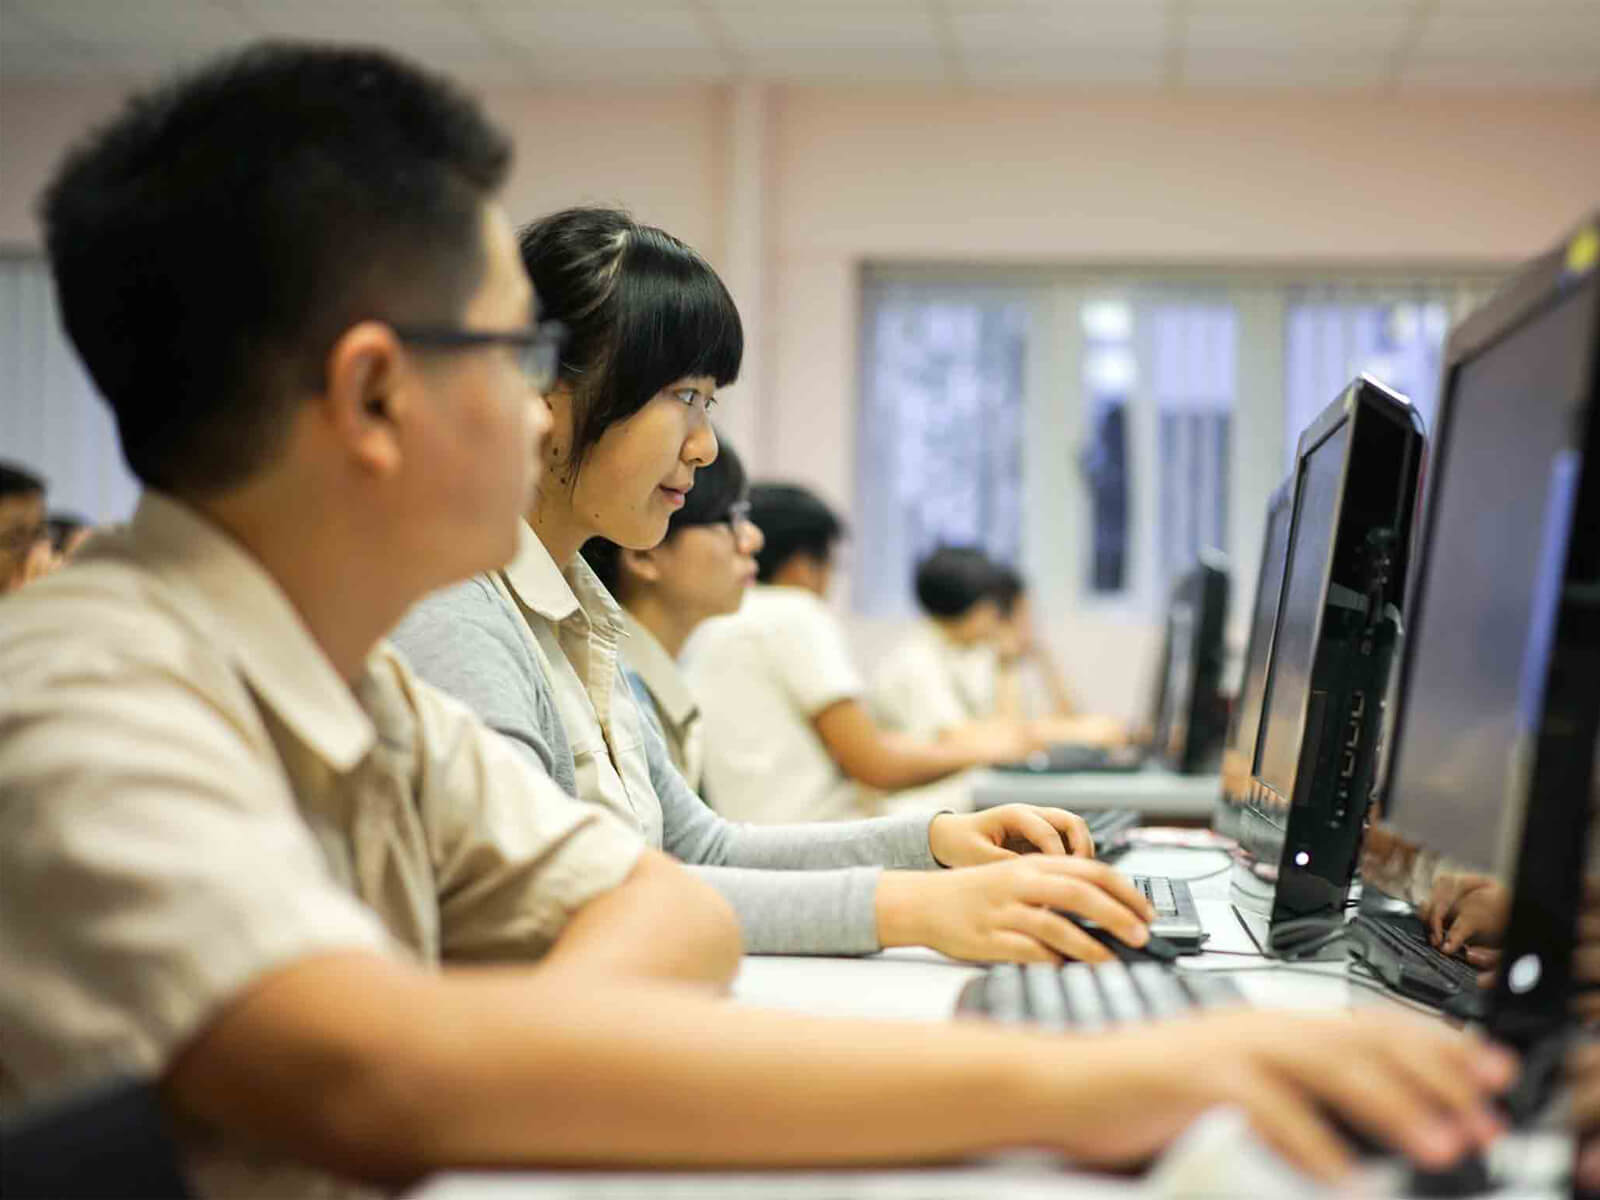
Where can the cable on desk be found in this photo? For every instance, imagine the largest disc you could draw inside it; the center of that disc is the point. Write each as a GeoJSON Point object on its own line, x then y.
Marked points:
{"type": "Point", "coordinates": [1360, 978]}
{"type": "Point", "coordinates": [1222, 870]}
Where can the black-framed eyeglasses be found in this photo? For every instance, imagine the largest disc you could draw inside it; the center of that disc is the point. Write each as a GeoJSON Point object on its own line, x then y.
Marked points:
{"type": "Point", "coordinates": [736, 514]}
{"type": "Point", "coordinates": [538, 349]}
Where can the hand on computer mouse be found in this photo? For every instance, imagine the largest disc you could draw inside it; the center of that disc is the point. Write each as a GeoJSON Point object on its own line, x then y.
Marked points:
{"type": "Point", "coordinates": [1012, 911]}
{"type": "Point", "coordinates": [996, 834]}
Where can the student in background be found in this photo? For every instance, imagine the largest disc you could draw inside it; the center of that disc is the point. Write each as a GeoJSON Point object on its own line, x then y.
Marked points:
{"type": "Point", "coordinates": [68, 533]}
{"type": "Point", "coordinates": [943, 674]}
{"type": "Point", "coordinates": [1029, 683]}
{"type": "Point", "coordinates": [788, 734]}
{"type": "Point", "coordinates": [536, 649]}
{"type": "Point", "coordinates": [259, 834]}
{"type": "Point", "coordinates": [25, 552]}
{"type": "Point", "coordinates": [701, 569]}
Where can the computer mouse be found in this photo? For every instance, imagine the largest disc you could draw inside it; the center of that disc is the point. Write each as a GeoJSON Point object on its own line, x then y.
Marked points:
{"type": "Point", "coordinates": [1157, 949]}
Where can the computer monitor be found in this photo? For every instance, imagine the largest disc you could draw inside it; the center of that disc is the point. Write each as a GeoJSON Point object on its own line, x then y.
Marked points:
{"type": "Point", "coordinates": [1238, 754]}
{"type": "Point", "coordinates": [1190, 720]}
{"type": "Point", "coordinates": [1356, 477]}
{"type": "Point", "coordinates": [1493, 772]}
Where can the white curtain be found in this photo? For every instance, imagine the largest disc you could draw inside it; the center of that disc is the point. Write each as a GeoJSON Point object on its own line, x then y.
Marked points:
{"type": "Point", "coordinates": [939, 452]}
{"type": "Point", "coordinates": [1189, 352]}
{"type": "Point", "coordinates": [1395, 333]}
{"type": "Point", "coordinates": [51, 420]}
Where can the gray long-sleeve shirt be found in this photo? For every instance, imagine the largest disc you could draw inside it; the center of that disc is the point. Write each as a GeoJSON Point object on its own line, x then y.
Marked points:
{"type": "Point", "coordinates": [801, 889]}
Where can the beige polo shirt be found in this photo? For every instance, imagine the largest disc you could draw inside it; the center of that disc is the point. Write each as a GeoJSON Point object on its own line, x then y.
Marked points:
{"type": "Point", "coordinates": [760, 676]}
{"type": "Point", "coordinates": [927, 683]}
{"type": "Point", "coordinates": [190, 797]}
{"type": "Point", "coordinates": [682, 726]}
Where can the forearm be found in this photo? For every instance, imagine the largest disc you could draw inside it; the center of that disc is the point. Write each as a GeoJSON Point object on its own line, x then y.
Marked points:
{"type": "Point", "coordinates": [502, 1090]}
{"type": "Point", "coordinates": [898, 761]}
{"type": "Point", "coordinates": [661, 923]}
{"type": "Point", "coordinates": [801, 912]}
{"type": "Point", "coordinates": [1008, 692]}
{"type": "Point", "coordinates": [899, 841]}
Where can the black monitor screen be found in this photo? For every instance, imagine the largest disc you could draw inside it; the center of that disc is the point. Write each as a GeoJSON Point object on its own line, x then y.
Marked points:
{"type": "Point", "coordinates": [1316, 515]}
{"type": "Point", "coordinates": [1268, 584]}
{"type": "Point", "coordinates": [1179, 691]}
{"type": "Point", "coordinates": [1494, 560]}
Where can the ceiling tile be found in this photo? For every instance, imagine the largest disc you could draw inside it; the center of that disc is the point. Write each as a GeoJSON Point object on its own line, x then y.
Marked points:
{"type": "Point", "coordinates": [158, 26]}
{"type": "Point", "coordinates": [1028, 26]}
{"type": "Point", "coordinates": [827, 25]}
{"type": "Point", "coordinates": [1357, 27]}
{"type": "Point", "coordinates": [22, 61]}
{"type": "Point", "coordinates": [626, 68]}
{"type": "Point", "coordinates": [846, 65]}
{"type": "Point", "coordinates": [1510, 30]}
{"type": "Point", "coordinates": [416, 24]}
{"type": "Point", "coordinates": [1061, 68]}
{"type": "Point", "coordinates": [652, 27]}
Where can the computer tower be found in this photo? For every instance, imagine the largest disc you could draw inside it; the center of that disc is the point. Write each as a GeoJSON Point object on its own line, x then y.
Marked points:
{"type": "Point", "coordinates": [1357, 473]}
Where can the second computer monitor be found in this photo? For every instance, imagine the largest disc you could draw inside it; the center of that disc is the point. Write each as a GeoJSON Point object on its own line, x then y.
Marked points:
{"type": "Point", "coordinates": [1190, 720]}
{"type": "Point", "coordinates": [1357, 472]}
{"type": "Point", "coordinates": [1238, 755]}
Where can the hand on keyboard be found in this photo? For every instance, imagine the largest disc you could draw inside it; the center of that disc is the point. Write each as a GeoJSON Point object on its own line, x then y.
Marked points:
{"type": "Point", "coordinates": [995, 834]}
{"type": "Point", "coordinates": [1416, 1086]}
{"type": "Point", "coordinates": [1011, 911]}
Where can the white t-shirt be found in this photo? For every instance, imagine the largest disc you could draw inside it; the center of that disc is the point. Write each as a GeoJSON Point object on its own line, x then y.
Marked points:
{"type": "Point", "coordinates": [760, 676]}
{"type": "Point", "coordinates": [928, 684]}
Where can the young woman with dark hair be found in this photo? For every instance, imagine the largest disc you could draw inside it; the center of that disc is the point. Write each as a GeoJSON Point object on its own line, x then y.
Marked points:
{"type": "Point", "coordinates": [535, 649]}
{"type": "Point", "coordinates": [702, 569]}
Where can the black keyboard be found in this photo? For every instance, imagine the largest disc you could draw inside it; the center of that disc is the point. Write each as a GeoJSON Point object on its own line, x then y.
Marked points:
{"type": "Point", "coordinates": [1087, 998]}
{"type": "Point", "coordinates": [1072, 758]}
{"type": "Point", "coordinates": [1108, 825]}
{"type": "Point", "coordinates": [1396, 947]}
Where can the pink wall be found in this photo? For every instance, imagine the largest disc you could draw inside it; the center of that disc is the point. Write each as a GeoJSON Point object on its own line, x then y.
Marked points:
{"type": "Point", "coordinates": [1066, 177]}
{"type": "Point", "coordinates": [1257, 178]}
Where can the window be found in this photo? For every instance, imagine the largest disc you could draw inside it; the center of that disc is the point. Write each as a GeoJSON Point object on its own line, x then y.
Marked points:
{"type": "Point", "coordinates": [1396, 335]}
{"type": "Point", "coordinates": [940, 458]}
{"type": "Point", "coordinates": [1101, 430]}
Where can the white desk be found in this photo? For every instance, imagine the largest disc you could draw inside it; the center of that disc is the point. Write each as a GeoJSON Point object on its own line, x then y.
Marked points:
{"type": "Point", "coordinates": [921, 985]}
{"type": "Point", "coordinates": [1155, 792]}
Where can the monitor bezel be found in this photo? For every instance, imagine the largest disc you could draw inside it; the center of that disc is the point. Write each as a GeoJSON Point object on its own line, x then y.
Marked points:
{"type": "Point", "coordinates": [1558, 839]}
{"type": "Point", "coordinates": [1282, 498]}
{"type": "Point", "coordinates": [1362, 394]}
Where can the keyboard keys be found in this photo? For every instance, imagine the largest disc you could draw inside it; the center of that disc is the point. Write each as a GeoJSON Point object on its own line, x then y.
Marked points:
{"type": "Point", "coordinates": [1005, 993]}
{"type": "Point", "coordinates": [1123, 1001]}
{"type": "Point", "coordinates": [1083, 997]}
{"type": "Point", "coordinates": [1163, 994]}
{"type": "Point", "coordinates": [1090, 999]}
{"type": "Point", "coordinates": [1046, 1003]}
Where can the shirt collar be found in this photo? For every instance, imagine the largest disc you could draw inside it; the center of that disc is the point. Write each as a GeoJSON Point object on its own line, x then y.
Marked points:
{"type": "Point", "coordinates": [226, 588]}
{"type": "Point", "coordinates": [649, 658]}
{"type": "Point", "coordinates": [544, 588]}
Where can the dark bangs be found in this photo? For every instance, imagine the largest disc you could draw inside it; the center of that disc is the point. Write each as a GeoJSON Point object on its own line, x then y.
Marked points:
{"type": "Point", "coordinates": [642, 310]}
{"type": "Point", "coordinates": [674, 319]}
